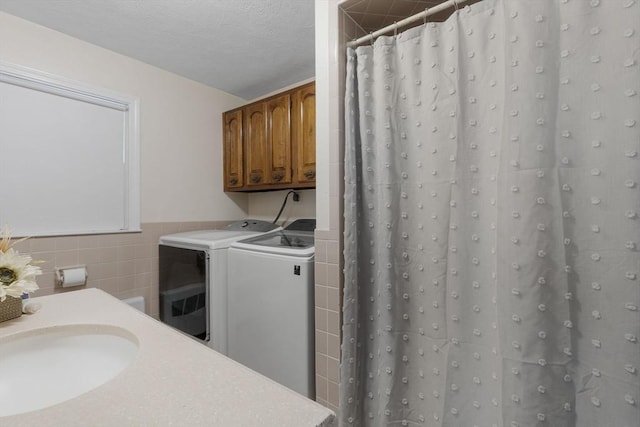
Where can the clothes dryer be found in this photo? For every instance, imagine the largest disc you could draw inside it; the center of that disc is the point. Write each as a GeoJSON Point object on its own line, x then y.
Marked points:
{"type": "Point", "coordinates": [193, 279]}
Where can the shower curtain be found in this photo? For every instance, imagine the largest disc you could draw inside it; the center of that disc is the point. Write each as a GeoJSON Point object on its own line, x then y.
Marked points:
{"type": "Point", "coordinates": [492, 220]}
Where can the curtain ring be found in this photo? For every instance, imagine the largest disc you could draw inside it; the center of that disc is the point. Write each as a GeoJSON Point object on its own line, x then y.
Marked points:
{"type": "Point", "coordinates": [426, 13]}
{"type": "Point", "coordinates": [371, 35]}
{"type": "Point", "coordinates": [395, 28]}
{"type": "Point", "coordinates": [455, 5]}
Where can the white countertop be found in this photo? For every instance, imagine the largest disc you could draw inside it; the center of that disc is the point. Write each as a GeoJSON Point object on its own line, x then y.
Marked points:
{"type": "Point", "coordinates": [174, 381]}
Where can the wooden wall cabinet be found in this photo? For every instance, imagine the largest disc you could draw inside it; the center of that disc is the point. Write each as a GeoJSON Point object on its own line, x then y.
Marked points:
{"type": "Point", "coordinates": [233, 150]}
{"type": "Point", "coordinates": [304, 131]}
{"type": "Point", "coordinates": [256, 144]}
{"type": "Point", "coordinates": [279, 139]}
{"type": "Point", "coordinates": [270, 144]}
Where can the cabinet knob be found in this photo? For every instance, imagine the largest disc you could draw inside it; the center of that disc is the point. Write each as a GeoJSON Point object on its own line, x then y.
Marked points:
{"type": "Point", "coordinates": [233, 181]}
{"type": "Point", "coordinates": [255, 178]}
{"type": "Point", "coordinates": [277, 176]}
{"type": "Point", "coordinates": [310, 174]}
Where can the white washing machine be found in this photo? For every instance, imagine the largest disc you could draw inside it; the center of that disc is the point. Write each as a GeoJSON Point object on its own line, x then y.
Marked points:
{"type": "Point", "coordinates": [193, 279]}
{"type": "Point", "coordinates": [271, 305]}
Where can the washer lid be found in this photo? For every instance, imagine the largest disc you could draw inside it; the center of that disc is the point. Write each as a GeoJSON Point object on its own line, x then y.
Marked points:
{"type": "Point", "coordinates": [217, 239]}
{"type": "Point", "coordinates": [304, 224]}
{"type": "Point", "coordinates": [285, 242]}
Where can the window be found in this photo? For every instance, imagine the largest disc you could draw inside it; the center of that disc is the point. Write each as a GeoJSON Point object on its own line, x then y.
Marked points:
{"type": "Point", "coordinates": [69, 156]}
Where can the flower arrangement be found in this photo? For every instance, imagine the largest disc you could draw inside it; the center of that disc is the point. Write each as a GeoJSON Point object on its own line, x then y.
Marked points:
{"type": "Point", "coordinates": [17, 272]}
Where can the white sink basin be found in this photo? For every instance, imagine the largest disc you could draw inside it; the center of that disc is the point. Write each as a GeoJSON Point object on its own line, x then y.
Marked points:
{"type": "Point", "coordinates": [42, 367]}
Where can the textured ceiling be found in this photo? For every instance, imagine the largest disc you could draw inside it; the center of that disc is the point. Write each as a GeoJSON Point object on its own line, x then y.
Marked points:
{"type": "Point", "coordinates": [244, 47]}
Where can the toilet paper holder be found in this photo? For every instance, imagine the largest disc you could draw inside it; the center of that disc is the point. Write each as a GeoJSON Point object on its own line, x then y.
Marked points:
{"type": "Point", "coordinates": [71, 276]}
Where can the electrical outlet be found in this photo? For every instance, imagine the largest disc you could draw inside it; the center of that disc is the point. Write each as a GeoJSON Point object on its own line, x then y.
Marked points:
{"type": "Point", "coordinates": [296, 197]}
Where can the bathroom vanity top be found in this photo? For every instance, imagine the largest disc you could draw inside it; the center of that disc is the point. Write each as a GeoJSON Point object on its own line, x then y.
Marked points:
{"type": "Point", "coordinates": [173, 380]}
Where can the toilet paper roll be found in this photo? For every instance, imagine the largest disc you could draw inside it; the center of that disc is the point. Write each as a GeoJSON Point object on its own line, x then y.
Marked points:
{"type": "Point", "coordinates": [73, 276]}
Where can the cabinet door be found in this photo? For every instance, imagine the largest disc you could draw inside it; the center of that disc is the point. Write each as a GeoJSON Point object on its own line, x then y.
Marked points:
{"type": "Point", "coordinates": [304, 126]}
{"type": "Point", "coordinates": [279, 139]}
{"type": "Point", "coordinates": [255, 144]}
{"type": "Point", "coordinates": [233, 150]}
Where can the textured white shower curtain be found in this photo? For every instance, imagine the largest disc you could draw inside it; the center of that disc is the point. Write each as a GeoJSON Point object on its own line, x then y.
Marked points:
{"type": "Point", "coordinates": [492, 229]}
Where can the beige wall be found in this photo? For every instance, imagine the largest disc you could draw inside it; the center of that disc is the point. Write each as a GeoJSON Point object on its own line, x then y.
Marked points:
{"type": "Point", "coordinates": [267, 205]}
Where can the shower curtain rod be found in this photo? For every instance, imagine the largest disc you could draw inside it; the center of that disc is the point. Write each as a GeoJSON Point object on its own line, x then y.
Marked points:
{"type": "Point", "coordinates": [406, 21]}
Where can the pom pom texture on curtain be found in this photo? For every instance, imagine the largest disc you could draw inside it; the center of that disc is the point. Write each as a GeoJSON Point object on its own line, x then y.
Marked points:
{"type": "Point", "coordinates": [492, 229]}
